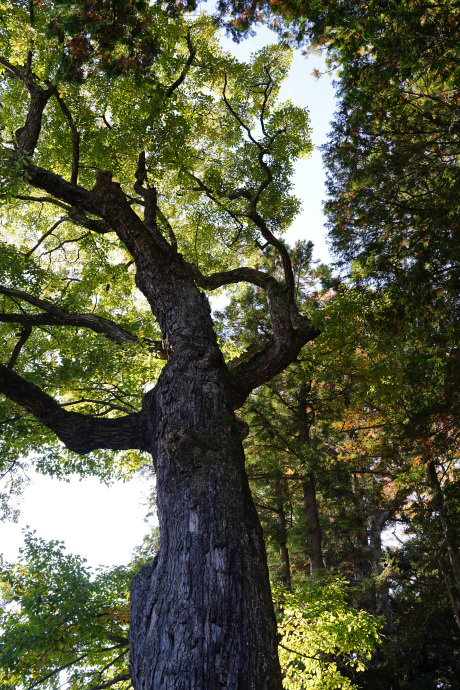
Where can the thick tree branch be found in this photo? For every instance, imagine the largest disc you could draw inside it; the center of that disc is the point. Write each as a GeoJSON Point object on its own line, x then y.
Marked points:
{"type": "Point", "coordinates": [79, 433]}
{"type": "Point", "coordinates": [64, 191]}
{"type": "Point", "coordinates": [117, 638]}
{"type": "Point", "coordinates": [25, 333]}
{"type": "Point", "coordinates": [269, 361]}
{"type": "Point", "coordinates": [168, 226]}
{"type": "Point", "coordinates": [78, 217]}
{"type": "Point", "coordinates": [149, 194]}
{"type": "Point", "coordinates": [290, 330]}
{"type": "Point", "coordinates": [55, 316]}
{"type": "Point", "coordinates": [236, 275]}
{"type": "Point", "coordinates": [27, 136]}
{"type": "Point", "coordinates": [59, 317]}
{"type": "Point", "coordinates": [257, 219]}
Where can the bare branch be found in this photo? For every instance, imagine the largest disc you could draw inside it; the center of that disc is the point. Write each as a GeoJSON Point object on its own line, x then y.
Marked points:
{"type": "Point", "coordinates": [237, 117]}
{"type": "Point", "coordinates": [117, 679]}
{"type": "Point", "coordinates": [69, 241]}
{"type": "Point", "coordinates": [43, 199]}
{"type": "Point", "coordinates": [75, 138]}
{"type": "Point", "coordinates": [25, 333]}
{"type": "Point", "coordinates": [47, 234]}
{"type": "Point", "coordinates": [106, 122]}
{"type": "Point", "coordinates": [192, 52]}
{"type": "Point", "coordinates": [55, 671]}
{"type": "Point", "coordinates": [103, 403]}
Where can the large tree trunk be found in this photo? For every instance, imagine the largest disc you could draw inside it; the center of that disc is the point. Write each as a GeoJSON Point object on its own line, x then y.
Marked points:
{"type": "Point", "coordinates": [201, 614]}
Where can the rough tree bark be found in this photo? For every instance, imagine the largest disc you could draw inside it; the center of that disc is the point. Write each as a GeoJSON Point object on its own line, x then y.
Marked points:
{"type": "Point", "coordinates": [202, 615]}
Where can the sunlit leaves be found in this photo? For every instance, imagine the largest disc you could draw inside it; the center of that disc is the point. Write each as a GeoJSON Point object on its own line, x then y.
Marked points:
{"type": "Point", "coordinates": [59, 617]}
{"type": "Point", "coordinates": [322, 636]}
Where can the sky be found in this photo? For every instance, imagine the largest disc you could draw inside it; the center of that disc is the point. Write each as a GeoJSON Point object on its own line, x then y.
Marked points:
{"type": "Point", "coordinates": [104, 524]}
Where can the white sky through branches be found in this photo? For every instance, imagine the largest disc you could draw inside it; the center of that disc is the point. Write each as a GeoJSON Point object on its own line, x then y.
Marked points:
{"type": "Point", "coordinates": [104, 524]}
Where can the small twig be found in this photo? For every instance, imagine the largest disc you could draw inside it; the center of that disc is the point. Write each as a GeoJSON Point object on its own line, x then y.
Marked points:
{"type": "Point", "coordinates": [47, 233]}
{"type": "Point", "coordinates": [117, 679]}
{"type": "Point", "coordinates": [106, 122]}
{"type": "Point", "coordinates": [293, 651]}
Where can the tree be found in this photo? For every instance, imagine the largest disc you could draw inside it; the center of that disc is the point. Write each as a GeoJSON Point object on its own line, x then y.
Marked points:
{"type": "Point", "coordinates": [99, 280]}
{"type": "Point", "coordinates": [60, 617]}
{"type": "Point", "coordinates": [393, 220]}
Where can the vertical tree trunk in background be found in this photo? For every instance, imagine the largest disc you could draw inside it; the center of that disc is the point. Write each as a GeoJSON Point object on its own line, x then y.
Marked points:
{"type": "Point", "coordinates": [201, 615]}
{"type": "Point", "coordinates": [314, 548]}
{"type": "Point", "coordinates": [315, 552]}
{"type": "Point", "coordinates": [377, 524]}
{"type": "Point", "coordinates": [285, 568]}
{"type": "Point", "coordinates": [449, 535]}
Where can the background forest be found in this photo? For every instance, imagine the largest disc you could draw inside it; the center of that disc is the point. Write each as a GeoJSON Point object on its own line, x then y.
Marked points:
{"type": "Point", "coordinates": [353, 450]}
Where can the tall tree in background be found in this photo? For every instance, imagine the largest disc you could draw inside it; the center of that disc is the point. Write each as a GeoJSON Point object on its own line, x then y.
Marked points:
{"type": "Point", "coordinates": [134, 180]}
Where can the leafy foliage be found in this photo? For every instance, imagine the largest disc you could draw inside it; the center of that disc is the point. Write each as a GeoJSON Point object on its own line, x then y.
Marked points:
{"type": "Point", "coordinates": [61, 619]}
{"type": "Point", "coordinates": [55, 257]}
{"type": "Point", "coordinates": [322, 634]}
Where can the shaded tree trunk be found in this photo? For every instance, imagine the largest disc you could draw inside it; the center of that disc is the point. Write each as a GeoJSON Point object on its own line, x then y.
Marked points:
{"type": "Point", "coordinates": [449, 534]}
{"type": "Point", "coordinates": [315, 552]}
{"type": "Point", "coordinates": [201, 614]}
{"type": "Point", "coordinates": [377, 524]}
{"type": "Point", "coordinates": [314, 539]}
{"type": "Point", "coordinates": [285, 567]}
